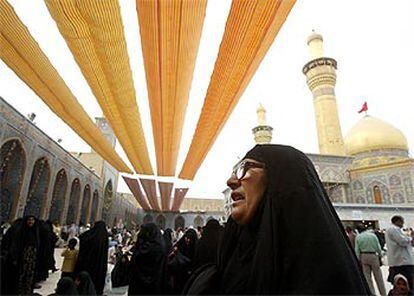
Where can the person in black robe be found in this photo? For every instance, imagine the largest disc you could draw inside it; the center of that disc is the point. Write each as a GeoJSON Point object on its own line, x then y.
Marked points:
{"type": "Point", "coordinates": [45, 255]}
{"type": "Point", "coordinates": [147, 266]}
{"type": "Point", "coordinates": [84, 284]}
{"type": "Point", "coordinates": [93, 255]}
{"type": "Point", "coordinates": [181, 261]}
{"type": "Point", "coordinates": [283, 236]}
{"type": "Point", "coordinates": [207, 245]}
{"type": "Point", "coordinates": [120, 273]}
{"type": "Point", "coordinates": [167, 235]}
{"type": "Point", "coordinates": [66, 287]}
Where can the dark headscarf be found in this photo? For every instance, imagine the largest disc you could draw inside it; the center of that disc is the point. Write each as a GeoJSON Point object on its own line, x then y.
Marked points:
{"type": "Point", "coordinates": [188, 249]}
{"type": "Point", "coordinates": [148, 262]}
{"type": "Point", "coordinates": [66, 286]}
{"type": "Point", "coordinates": [295, 243]}
{"type": "Point", "coordinates": [85, 286]}
{"type": "Point", "coordinates": [93, 254]}
{"type": "Point", "coordinates": [207, 245]}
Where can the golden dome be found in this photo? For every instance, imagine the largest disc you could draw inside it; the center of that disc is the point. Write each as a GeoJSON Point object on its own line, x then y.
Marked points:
{"type": "Point", "coordinates": [371, 133]}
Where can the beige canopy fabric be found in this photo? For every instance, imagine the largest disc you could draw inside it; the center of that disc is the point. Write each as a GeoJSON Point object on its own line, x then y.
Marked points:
{"type": "Point", "coordinates": [151, 192]}
{"type": "Point", "coordinates": [133, 185]}
{"type": "Point", "coordinates": [94, 33]}
{"type": "Point", "coordinates": [165, 192]}
{"type": "Point", "coordinates": [250, 30]}
{"type": "Point", "coordinates": [170, 37]}
{"type": "Point", "coordinates": [24, 56]}
{"type": "Point", "coordinates": [179, 194]}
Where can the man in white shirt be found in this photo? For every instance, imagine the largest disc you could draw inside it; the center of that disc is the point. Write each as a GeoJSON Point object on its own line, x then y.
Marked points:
{"type": "Point", "coordinates": [399, 251]}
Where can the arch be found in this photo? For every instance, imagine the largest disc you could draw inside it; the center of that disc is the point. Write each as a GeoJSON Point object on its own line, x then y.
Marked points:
{"type": "Point", "coordinates": [38, 188]}
{"type": "Point", "coordinates": [395, 180]}
{"type": "Point", "coordinates": [360, 199]}
{"type": "Point", "coordinates": [160, 221]}
{"type": "Point", "coordinates": [383, 190]}
{"type": "Point", "coordinates": [198, 221]}
{"type": "Point", "coordinates": [58, 196]}
{"type": "Point", "coordinates": [94, 207]}
{"type": "Point", "coordinates": [377, 194]}
{"type": "Point", "coordinates": [357, 185]}
{"type": "Point", "coordinates": [12, 169]}
{"type": "Point", "coordinates": [147, 219]}
{"type": "Point", "coordinates": [398, 198]}
{"type": "Point", "coordinates": [86, 204]}
{"type": "Point", "coordinates": [179, 222]}
{"type": "Point", "coordinates": [107, 202]}
{"type": "Point", "coordinates": [73, 202]}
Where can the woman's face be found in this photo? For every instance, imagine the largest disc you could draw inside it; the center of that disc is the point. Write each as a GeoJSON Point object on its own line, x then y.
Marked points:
{"type": "Point", "coordinates": [247, 192]}
{"type": "Point", "coordinates": [401, 287]}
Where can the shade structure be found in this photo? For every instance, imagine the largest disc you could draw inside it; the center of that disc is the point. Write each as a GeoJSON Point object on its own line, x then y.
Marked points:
{"type": "Point", "coordinates": [250, 30]}
{"type": "Point", "coordinates": [170, 37]}
{"type": "Point", "coordinates": [94, 33]}
{"type": "Point", "coordinates": [133, 185]}
{"type": "Point", "coordinates": [151, 192]}
{"type": "Point", "coordinates": [165, 192]}
{"type": "Point", "coordinates": [179, 194]}
{"type": "Point", "coordinates": [23, 55]}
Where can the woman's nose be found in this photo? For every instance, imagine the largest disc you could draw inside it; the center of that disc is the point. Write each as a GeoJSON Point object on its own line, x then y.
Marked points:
{"type": "Point", "coordinates": [233, 182]}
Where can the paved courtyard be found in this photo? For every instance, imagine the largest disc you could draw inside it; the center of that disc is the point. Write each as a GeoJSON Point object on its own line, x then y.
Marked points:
{"type": "Point", "coordinates": [48, 287]}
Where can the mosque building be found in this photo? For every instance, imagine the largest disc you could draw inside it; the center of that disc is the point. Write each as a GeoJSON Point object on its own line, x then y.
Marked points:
{"type": "Point", "coordinates": [368, 174]}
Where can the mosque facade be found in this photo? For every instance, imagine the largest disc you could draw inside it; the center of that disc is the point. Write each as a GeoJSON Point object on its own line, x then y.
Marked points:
{"type": "Point", "coordinates": [39, 177]}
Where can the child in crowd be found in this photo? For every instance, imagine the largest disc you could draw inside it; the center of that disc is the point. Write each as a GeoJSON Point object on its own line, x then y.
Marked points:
{"type": "Point", "coordinates": [70, 256]}
{"type": "Point", "coordinates": [400, 287]}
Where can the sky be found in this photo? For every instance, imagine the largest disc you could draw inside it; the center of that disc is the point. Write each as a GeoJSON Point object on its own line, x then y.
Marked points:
{"type": "Point", "coordinates": [372, 41]}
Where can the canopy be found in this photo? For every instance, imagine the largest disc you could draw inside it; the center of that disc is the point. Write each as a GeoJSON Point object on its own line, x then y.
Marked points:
{"type": "Point", "coordinates": [165, 192]}
{"type": "Point", "coordinates": [133, 185]}
{"type": "Point", "coordinates": [250, 30]}
{"type": "Point", "coordinates": [23, 55]}
{"type": "Point", "coordinates": [170, 36]}
{"type": "Point", "coordinates": [94, 33]}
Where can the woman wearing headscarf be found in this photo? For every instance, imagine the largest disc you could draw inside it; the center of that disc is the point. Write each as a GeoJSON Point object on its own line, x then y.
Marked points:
{"type": "Point", "coordinates": [181, 260]}
{"type": "Point", "coordinates": [66, 287]}
{"type": "Point", "coordinates": [207, 245]}
{"type": "Point", "coordinates": [120, 273]}
{"type": "Point", "coordinates": [283, 236]}
{"type": "Point", "coordinates": [84, 284]}
{"type": "Point", "coordinates": [147, 265]}
{"type": "Point", "coordinates": [93, 255]}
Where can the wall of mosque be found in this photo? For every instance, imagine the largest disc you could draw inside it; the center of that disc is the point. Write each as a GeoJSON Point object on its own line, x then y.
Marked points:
{"type": "Point", "coordinates": [38, 176]}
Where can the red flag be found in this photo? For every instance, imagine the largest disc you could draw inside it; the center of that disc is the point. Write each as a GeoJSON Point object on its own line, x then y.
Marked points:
{"type": "Point", "coordinates": [364, 108]}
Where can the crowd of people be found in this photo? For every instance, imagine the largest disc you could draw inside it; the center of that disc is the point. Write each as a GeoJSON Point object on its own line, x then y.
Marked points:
{"type": "Point", "coordinates": [282, 237]}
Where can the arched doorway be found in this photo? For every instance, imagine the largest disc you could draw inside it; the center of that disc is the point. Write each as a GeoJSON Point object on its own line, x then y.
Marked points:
{"type": "Point", "coordinates": [198, 222]}
{"type": "Point", "coordinates": [86, 205]}
{"type": "Point", "coordinates": [147, 219]}
{"type": "Point", "coordinates": [73, 202]}
{"type": "Point", "coordinates": [12, 168]}
{"type": "Point", "coordinates": [94, 209]}
{"type": "Point", "coordinates": [179, 222]}
{"type": "Point", "coordinates": [39, 185]}
{"type": "Point", "coordinates": [160, 221]}
{"type": "Point", "coordinates": [58, 196]}
{"type": "Point", "coordinates": [107, 202]}
{"type": "Point", "coordinates": [377, 195]}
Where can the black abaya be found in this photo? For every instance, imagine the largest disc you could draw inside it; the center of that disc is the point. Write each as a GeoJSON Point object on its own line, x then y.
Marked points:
{"type": "Point", "coordinates": [207, 245]}
{"type": "Point", "coordinates": [147, 276]}
{"type": "Point", "coordinates": [93, 255]}
{"type": "Point", "coordinates": [295, 243]}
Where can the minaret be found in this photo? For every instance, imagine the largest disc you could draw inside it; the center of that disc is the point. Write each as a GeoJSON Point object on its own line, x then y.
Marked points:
{"type": "Point", "coordinates": [321, 78]}
{"type": "Point", "coordinates": [262, 132]}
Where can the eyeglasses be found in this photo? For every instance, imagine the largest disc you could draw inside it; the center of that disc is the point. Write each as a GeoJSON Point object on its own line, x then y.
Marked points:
{"type": "Point", "coordinates": [240, 169]}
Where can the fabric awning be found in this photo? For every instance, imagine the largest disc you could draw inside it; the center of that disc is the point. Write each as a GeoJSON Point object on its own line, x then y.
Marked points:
{"type": "Point", "coordinates": [151, 192]}
{"type": "Point", "coordinates": [94, 33]}
{"type": "Point", "coordinates": [250, 30]}
{"type": "Point", "coordinates": [179, 194]}
{"type": "Point", "coordinates": [165, 192]}
{"type": "Point", "coordinates": [170, 37]}
{"type": "Point", "coordinates": [133, 185]}
{"type": "Point", "coordinates": [23, 55]}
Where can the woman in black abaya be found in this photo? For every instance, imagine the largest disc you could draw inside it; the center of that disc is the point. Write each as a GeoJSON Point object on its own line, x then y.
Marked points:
{"type": "Point", "coordinates": [283, 236]}
{"type": "Point", "coordinates": [207, 245]}
{"type": "Point", "coordinates": [93, 255]}
{"type": "Point", "coordinates": [148, 262]}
